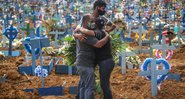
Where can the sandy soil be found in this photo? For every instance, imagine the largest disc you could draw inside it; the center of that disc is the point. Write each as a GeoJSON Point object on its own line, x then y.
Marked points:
{"type": "Point", "coordinates": [127, 86]}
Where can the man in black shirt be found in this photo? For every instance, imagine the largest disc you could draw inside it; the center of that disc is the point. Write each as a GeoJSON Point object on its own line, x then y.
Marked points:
{"type": "Point", "coordinates": [103, 55]}
{"type": "Point", "coordinates": [85, 61]}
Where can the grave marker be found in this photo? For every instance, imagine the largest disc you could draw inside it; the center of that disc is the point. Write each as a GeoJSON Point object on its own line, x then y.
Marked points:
{"type": "Point", "coordinates": [153, 73]}
{"type": "Point", "coordinates": [11, 34]}
{"type": "Point", "coordinates": [56, 33]}
{"type": "Point", "coordinates": [123, 61]}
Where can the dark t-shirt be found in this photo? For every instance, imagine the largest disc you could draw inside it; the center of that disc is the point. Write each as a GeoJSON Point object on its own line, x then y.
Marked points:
{"type": "Point", "coordinates": [85, 50]}
{"type": "Point", "coordinates": [105, 51]}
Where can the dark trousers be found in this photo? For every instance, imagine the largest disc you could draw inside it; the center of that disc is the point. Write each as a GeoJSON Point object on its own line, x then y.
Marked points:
{"type": "Point", "coordinates": [105, 69]}
{"type": "Point", "coordinates": [86, 85]}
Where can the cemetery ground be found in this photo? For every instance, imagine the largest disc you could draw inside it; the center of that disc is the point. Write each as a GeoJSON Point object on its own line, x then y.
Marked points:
{"type": "Point", "coordinates": [127, 86]}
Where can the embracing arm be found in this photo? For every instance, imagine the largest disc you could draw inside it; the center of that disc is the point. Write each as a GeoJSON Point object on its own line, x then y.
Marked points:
{"type": "Point", "coordinates": [85, 31]}
{"type": "Point", "coordinates": [102, 42]}
{"type": "Point", "coordinates": [112, 27]}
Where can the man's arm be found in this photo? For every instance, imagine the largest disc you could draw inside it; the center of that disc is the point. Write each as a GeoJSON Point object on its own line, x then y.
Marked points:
{"type": "Point", "coordinates": [111, 28]}
{"type": "Point", "coordinates": [110, 24]}
{"type": "Point", "coordinates": [85, 31]}
{"type": "Point", "coordinates": [102, 42]}
{"type": "Point", "coordinates": [89, 40]}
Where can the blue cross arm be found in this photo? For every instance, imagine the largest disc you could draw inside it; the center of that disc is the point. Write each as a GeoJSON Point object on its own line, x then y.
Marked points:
{"type": "Point", "coordinates": [163, 47]}
{"type": "Point", "coordinates": [145, 73]}
{"type": "Point", "coordinates": [25, 42]}
{"type": "Point", "coordinates": [130, 54]}
{"type": "Point", "coordinates": [158, 72]}
{"type": "Point", "coordinates": [162, 72]}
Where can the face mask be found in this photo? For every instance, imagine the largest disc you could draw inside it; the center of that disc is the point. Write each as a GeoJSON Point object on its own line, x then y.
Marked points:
{"type": "Point", "coordinates": [101, 12]}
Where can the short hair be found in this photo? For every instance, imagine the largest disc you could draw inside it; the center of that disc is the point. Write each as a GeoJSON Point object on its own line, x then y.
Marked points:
{"type": "Point", "coordinates": [85, 18]}
{"type": "Point", "coordinates": [100, 23]}
{"type": "Point", "coordinates": [99, 3]}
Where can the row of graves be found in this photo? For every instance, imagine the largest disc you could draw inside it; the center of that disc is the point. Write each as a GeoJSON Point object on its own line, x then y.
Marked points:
{"type": "Point", "coordinates": [41, 32]}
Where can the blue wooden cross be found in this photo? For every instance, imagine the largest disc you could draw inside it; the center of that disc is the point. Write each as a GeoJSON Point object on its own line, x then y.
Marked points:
{"type": "Point", "coordinates": [18, 21]}
{"type": "Point", "coordinates": [69, 19]}
{"type": "Point", "coordinates": [34, 19]}
{"type": "Point", "coordinates": [56, 91]}
{"type": "Point", "coordinates": [33, 7]}
{"type": "Point", "coordinates": [56, 33]}
{"type": "Point", "coordinates": [27, 29]}
{"type": "Point", "coordinates": [10, 33]}
{"type": "Point", "coordinates": [140, 18]}
{"type": "Point", "coordinates": [57, 8]}
{"type": "Point", "coordinates": [166, 18]}
{"type": "Point", "coordinates": [22, 17]}
{"type": "Point", "coordinates": [140, 31]}
{"type": "Point", "coordinates": [40, 29]}
{"type": "Point", "coordinates": [160, 32]}
{"type": "Point", "coordinates": [123, 60]}
{"type": "Point", "coordinates": [17, 7]}
{"type": "Point", "coordinates": [130, 27]}
{"type": "Point", "coordinates": [152, 34]}
{"type": "Point", "coordinates": [6, 20]}
{"type": "Point", "coordinates": [164, 47]}
{"type": "Point", "coordinates": [38, 43]}
{"type": "Point", "coordinates": [147, 20]}
{"type": "Point", "coordinates": [153, 72]}
{"type": "Point", "coordinates": [135, 9]}
{"type": "Point", "coordinates": [22, 21]}
{"type": "Point", "coordinates": [128, 17]}
{"type": "Point", "coordinates": [123, 37]}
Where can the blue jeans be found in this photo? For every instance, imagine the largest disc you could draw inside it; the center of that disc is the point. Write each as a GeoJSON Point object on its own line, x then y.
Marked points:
{"type": "Point", "coordinates": [86, 86]}
{"type": "Point", "coordinates": [106, 67]}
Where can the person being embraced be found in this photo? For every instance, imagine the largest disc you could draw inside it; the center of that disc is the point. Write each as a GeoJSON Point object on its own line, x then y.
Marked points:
{"type": "Point", "coordinates": [85, 59]}
{"type": "Point", "coordinates": [103, 54]}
